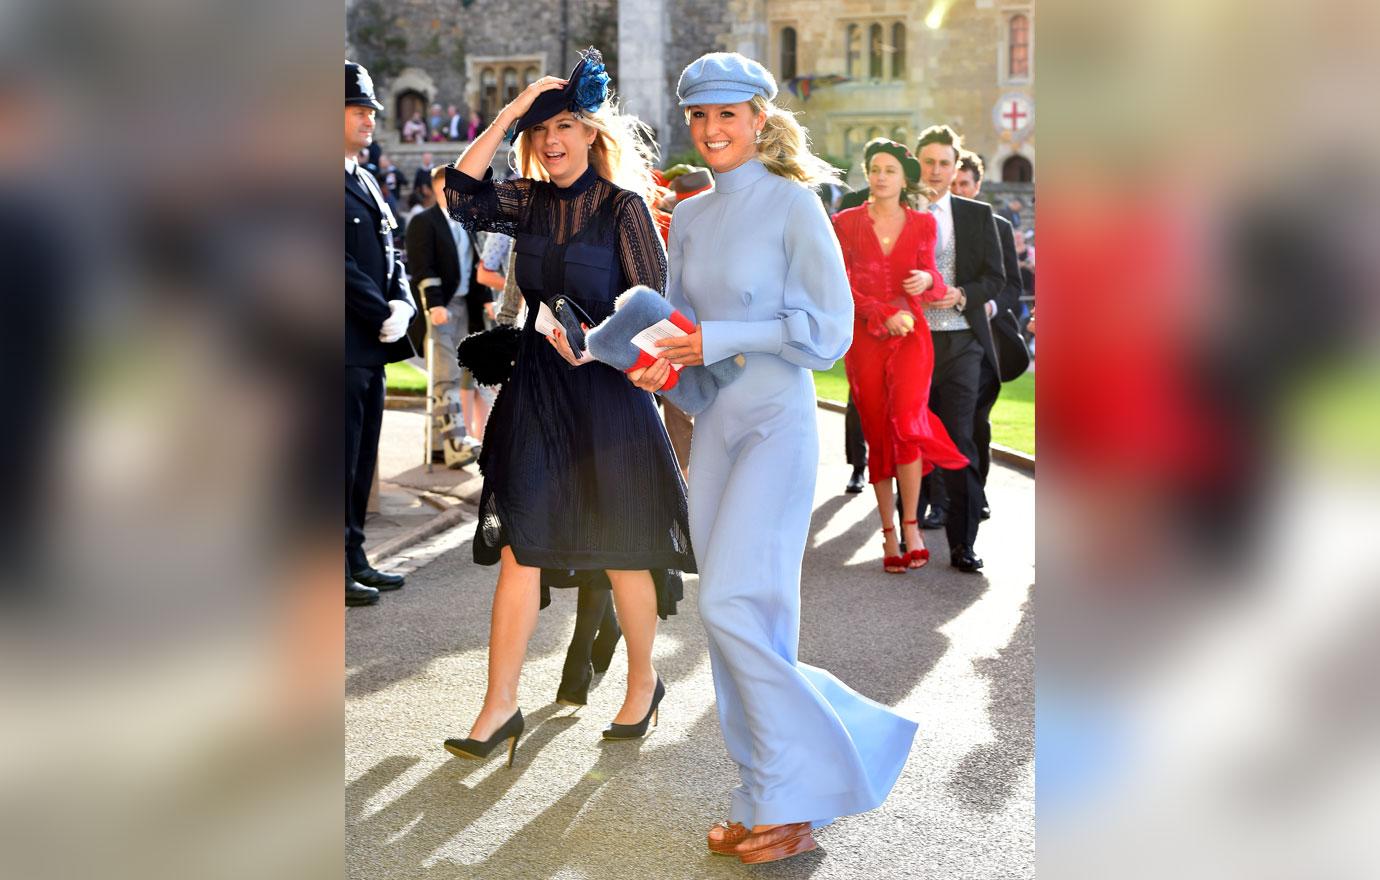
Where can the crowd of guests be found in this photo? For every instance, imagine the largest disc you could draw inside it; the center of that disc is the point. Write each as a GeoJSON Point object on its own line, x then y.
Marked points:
{"type": "Point", "coordinates": [436, 127]}
{"type": "Point", "coordinates": [591, 483]}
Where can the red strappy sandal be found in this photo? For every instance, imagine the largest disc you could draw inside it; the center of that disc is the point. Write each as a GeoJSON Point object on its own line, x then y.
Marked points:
{"type": "Point", "coordinates": [915, 558]}
{"type": "Point", "coordinates": [892, 564]}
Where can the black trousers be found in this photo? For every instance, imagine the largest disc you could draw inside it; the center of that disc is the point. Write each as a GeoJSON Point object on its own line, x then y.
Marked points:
{"type": "Point", "coordinates": [364, 391]}
{"type": "Point", "coordinates": [933, 495]}
{"type": "Point", "coordinates": [854, 445]}
{"type": "Point", "coordinates": [989, 387]}
{"type": "Point", "coordinates": [596, 624]}
{"type": "Point", "coordinates": [953, 397]}
{"type": "Point", "coordinates": [932, 491]}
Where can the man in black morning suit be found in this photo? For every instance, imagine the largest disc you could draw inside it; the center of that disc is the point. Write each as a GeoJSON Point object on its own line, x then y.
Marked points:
{"type": "Point", "coordinates": [968, 183]}
{"type": "Point", "coordinates": [378, 309]}
{"type": "Point", "coordinates": [968, 254]}
{"type": "Point", "coordinates": [440, 257]}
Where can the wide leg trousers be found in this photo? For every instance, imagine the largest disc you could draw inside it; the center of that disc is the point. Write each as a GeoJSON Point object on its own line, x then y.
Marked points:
{"type": "Point", "coordinates": [808, 747]}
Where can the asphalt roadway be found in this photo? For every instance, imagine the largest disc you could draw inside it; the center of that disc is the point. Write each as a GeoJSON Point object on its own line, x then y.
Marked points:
{"type": "Point", "coordinates": [951, 650]}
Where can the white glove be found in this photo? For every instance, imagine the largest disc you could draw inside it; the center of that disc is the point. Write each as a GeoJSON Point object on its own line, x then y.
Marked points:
{"type": "Point", "coordinates": [395, 326]}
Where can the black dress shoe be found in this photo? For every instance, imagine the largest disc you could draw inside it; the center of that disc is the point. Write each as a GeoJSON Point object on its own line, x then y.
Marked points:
{"type": "Point", "coordinates": [986, 513]}
{"type": "Point", "coordinates": [856, 483]}
{"type": "Point", "coordinates": [962, 558]}
{"type": "Point", "coordinates": [935, 519]}
{"type": "Point", "coordinates": [372, 577]}
{"type": "Point", "coordinates": [357, 594]}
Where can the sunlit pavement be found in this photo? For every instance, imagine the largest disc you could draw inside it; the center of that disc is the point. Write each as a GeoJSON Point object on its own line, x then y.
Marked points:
{"type": "Point", "coordinates": [953, 651]}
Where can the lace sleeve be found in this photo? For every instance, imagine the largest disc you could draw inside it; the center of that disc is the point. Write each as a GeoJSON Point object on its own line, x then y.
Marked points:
{"type": "Point", "coordinates": [639, 245]}
{"type": "Point", "coordinates": [486, 205]}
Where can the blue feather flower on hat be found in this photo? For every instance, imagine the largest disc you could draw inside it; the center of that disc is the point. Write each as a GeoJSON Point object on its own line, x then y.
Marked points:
{"type": "Point", "coordinates": [592, 86]}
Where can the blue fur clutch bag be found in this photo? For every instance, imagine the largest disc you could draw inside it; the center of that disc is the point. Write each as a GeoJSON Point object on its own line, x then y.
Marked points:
{"type": "Point", "coordinates": [693, 388]}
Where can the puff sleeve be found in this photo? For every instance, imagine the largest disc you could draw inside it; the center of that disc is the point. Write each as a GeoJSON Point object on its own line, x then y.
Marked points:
{"type": "Point", "coordinates": [815, 325]}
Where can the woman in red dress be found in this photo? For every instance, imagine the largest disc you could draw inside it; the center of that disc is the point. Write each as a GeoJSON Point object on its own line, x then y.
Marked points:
{"type": "Point", "coordinates": [891, 361]}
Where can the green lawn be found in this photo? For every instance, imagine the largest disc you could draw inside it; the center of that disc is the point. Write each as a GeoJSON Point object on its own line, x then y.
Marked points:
{"type": "Point", "coordinates": [832, 384]}
{"type": "Point", "coordinates": [1013, 417]}
{"type": "Point", "coordinates": [1331, 415]}
{"type": "Point", "coordinates": [403, 378]}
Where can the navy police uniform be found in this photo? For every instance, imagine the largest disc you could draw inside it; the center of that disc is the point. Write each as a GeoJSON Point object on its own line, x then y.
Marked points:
{"type": "Point", "coordinates": [374, 276]}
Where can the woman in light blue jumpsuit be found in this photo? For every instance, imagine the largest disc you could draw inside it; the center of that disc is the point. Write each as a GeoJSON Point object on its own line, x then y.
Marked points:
{"type": "Point", "coordinates": [755, 263]}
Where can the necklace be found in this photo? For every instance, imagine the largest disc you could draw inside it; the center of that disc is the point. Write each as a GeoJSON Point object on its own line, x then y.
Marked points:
{"type": "Point", "coordinates": [885, 239]}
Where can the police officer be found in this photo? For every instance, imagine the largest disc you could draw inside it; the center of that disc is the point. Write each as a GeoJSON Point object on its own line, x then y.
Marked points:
{"type": "Point", "coordinates": [378, 309]}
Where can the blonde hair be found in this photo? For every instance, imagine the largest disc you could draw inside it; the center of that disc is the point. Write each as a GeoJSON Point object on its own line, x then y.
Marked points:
{"type": "Point", "coordinates": [623, 151]}
{"type": "Point", "coordinates": [785, 147]}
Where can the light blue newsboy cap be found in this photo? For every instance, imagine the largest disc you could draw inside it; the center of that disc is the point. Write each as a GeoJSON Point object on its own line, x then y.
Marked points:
{"type": "Point", "coordinates": [724, 78]}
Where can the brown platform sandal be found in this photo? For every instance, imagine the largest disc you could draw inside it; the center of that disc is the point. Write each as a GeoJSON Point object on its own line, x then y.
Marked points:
{"type": "Point", "coordinates": [779, 842]}
{"type": "Point", "coordinates": [733, 834]}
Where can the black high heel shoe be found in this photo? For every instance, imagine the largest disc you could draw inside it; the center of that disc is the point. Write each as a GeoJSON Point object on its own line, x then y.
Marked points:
{"type": "Point", "coordinates": [639, 730]}
{"type": "Point", "coordinates": [478, 749]}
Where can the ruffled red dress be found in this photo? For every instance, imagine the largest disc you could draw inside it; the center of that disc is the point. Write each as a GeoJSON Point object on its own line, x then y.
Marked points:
{"type": "Point", "coordinates": [890, 375]}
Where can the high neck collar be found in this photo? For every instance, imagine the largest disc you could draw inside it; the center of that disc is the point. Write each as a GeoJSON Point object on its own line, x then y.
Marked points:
{"type": "Point", "coordinates": [581, 184]}
{"type": "Point", "coordinates": [742, 177]}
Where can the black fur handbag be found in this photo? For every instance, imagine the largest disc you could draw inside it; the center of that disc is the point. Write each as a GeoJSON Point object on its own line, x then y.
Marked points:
{"type": "Point", "coordinates": [490, 354]}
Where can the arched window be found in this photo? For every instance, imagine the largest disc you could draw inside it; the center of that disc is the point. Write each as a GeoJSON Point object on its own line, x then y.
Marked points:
{"type": "Point", "coordinates": [529, 76]}
{"type": "Point", "coordinates": [874, 132]}
{"type": "Point", "coordinates": [488, 93]}
{"type": "Point", "coordinates": [899, 135]}
{"type": "Point", "coordinates": [788, 53]}
{"type": "Point", "coordinates": [1017, 169]}
{"type": "Point", "coordinates": [874, 51]}
{"type": "Point", "coordinates": [1019, 49]}
{"type": "Point", "coordinates": [850, 50]}
{"type": "Point", "coordinates": [409, 102]}
{"type": "Point", "coordinates": [898, 51]}
{"type": "Point", "coordinates": [510, 84]}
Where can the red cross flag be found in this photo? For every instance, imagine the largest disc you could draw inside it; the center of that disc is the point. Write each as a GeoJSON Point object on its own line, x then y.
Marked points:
{"type": "Point", "coordinates": [1014, 113]}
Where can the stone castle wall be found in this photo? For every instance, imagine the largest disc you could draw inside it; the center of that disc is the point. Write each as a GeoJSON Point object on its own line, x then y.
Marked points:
{"type": "Point", "coordinates": [952, 73]}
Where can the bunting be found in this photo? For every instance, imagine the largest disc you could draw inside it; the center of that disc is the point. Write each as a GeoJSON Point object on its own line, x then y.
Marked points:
{"type": "Point", "coordinates": [801, 86]}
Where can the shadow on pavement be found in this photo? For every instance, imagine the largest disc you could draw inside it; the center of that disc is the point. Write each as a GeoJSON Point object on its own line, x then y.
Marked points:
{"type": "Point", "coordinates": [886, 654]}
{"type": "Point", "coordinates": [986, 776]}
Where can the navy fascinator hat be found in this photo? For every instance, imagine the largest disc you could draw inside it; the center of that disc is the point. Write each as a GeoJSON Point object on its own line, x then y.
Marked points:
{"type": "Point", "coordinates": [585, 91]}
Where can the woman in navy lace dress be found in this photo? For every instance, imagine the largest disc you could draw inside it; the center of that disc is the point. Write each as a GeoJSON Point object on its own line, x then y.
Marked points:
{"type": "Point", "coordinates": [581, 486]}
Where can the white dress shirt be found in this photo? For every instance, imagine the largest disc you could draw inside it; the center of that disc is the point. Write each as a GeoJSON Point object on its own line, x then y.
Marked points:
{"type": "Point", "coordinates": [944, 218]}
